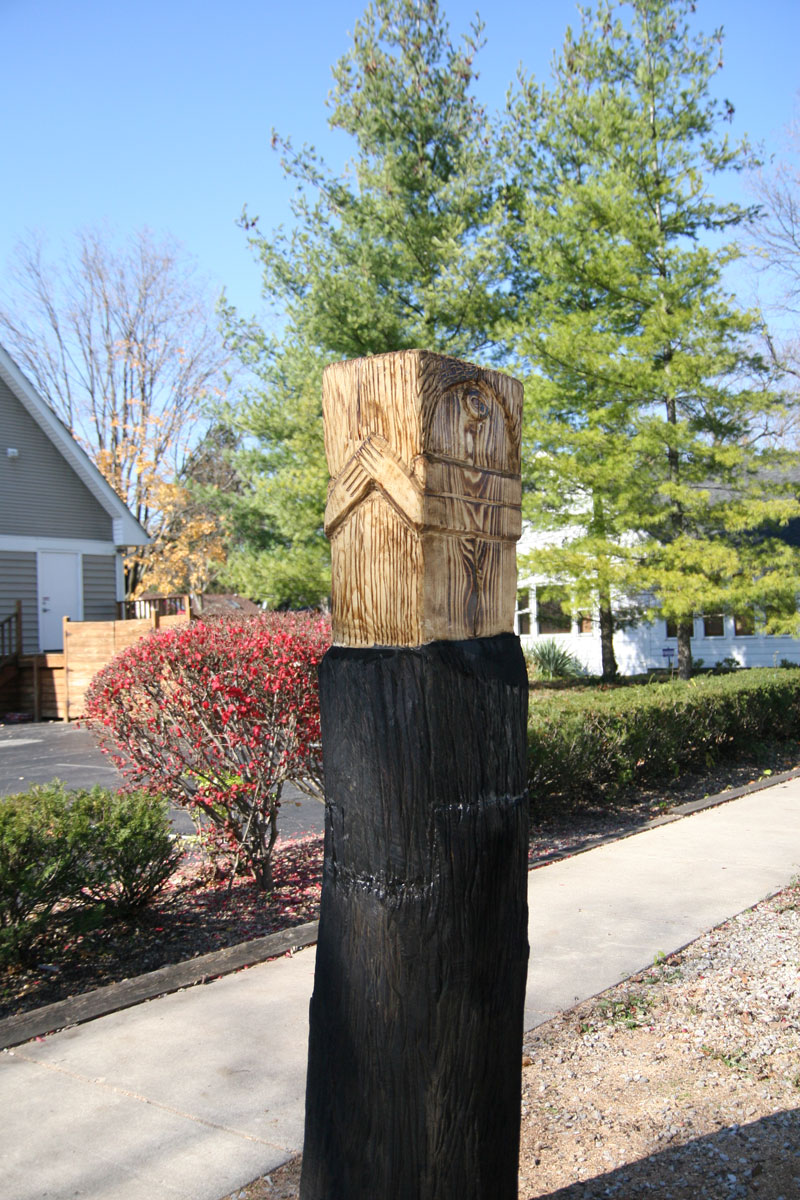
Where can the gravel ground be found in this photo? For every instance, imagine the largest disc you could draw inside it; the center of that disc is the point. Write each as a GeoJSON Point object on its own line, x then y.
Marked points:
{"type": "Point", "coordinates": [682, 1083]}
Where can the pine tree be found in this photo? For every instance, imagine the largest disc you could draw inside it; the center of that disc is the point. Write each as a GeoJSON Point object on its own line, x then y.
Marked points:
{"type": "Point", "coordinates": [644, 385]}
{"type": "Point", "coordinates": [399, 250]}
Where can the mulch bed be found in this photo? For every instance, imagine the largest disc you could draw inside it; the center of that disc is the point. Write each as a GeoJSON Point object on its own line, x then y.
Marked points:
{"type": "Point", "coordinates": [197, 914]}
{"type": "Point", "coordinates": [194, 915]}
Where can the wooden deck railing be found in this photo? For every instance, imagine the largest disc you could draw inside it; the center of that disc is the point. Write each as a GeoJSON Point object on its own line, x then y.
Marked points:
{"type": "Point", "coordinates": [154, 606]}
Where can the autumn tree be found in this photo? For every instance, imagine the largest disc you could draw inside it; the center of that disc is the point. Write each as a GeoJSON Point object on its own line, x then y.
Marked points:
{"type": "Point", "coordinates": [188, 524]}
{"type": "Point", "coordinates": [400, 249]}
{"type": "Point", "coordinates": [644, 387]}
{"type": "Point", "coordinates": [121, 341]}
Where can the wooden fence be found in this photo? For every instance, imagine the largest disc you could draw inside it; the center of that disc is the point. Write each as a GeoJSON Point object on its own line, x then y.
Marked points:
{"type": "Point", "coordinates": [89, 645]}
{"type": "Point", "coordinates": [38, 687]}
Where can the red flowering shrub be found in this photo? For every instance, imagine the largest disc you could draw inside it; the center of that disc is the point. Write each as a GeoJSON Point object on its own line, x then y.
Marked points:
{"type": "Point", "coordinates": [217, 717]}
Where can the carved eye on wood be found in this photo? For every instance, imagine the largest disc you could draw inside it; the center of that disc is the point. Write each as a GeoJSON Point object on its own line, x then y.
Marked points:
{"type": "Point", "coordinates": [468, 424]}
{"type": "Point", "coordinates": [475, 403]}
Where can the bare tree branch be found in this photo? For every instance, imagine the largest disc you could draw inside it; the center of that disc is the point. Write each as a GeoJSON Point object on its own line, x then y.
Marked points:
{"type": "Point", "coordinates": [121, 341]}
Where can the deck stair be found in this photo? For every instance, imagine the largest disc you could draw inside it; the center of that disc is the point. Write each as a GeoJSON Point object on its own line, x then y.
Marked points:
{"type": "Point", "coordinates": [10, 644]}
{"type": "Point", "coordinates": [10, 651]}
{"type": "Point", "coordinates": [11, 637]}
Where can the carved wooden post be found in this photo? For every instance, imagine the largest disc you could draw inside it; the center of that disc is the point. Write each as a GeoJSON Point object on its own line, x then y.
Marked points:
{"type": "Point", "coordinates": [416, 1018]}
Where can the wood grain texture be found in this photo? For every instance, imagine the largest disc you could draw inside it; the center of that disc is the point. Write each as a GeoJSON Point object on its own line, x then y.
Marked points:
{"type": "Point", "coordinates": [424, 502]}
{"type": "Point", "coordinates": [413, 1086]}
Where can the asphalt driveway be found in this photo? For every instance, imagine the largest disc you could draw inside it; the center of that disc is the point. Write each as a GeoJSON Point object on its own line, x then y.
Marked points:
{"type": "Point", "coordinates": [38, 753]}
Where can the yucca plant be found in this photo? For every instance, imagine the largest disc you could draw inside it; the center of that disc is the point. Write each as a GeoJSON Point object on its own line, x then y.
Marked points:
{"type": "Point", "coordinates": [553, 661]}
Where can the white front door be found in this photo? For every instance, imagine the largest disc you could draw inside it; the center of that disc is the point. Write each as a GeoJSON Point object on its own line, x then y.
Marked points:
{"type": "Point", "coordinates": [59, 595]}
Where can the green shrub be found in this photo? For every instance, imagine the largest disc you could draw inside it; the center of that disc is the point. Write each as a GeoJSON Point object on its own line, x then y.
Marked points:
{"type": "Point", "coordinates": [729, 663]}
{"type": "Point", "coordinates": [39, 863]}
{"type": "Point", "coordinates": [69, 857]}
{"type": "Point", "coordinates": [586, 744]}
{"type": "Point", "coordinates": [552, 661]}
{"type": "Point", "coordinates": [128, 847]}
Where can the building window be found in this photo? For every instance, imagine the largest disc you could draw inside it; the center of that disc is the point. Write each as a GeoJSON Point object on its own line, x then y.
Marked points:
{"type": "Point", "coordinates": [551, 602]}
{"type": "Point", "coordinates": [714, 626]}
{"type": "Point", "coordinates": [744, 624]}
{"type": "Point", "coordinates": [523, 611]}
{"type": "Point", "coordinates": [672, 627]}
{"type": "Point", "coordinates": [585, 622]}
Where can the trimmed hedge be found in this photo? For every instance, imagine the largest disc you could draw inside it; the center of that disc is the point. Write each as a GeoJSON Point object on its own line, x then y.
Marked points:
{"type": "Point", "coordinates": [586, 744]}
{"type": "Point", "coordinates": [128, 849]}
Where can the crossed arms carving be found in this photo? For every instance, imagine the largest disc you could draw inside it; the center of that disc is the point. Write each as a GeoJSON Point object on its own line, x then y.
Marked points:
{"type": "Point", "coordinates": [374, 464]}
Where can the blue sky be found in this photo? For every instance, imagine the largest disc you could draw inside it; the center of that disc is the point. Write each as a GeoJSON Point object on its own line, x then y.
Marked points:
{"type": "Point", "coordinates": [159, 114]}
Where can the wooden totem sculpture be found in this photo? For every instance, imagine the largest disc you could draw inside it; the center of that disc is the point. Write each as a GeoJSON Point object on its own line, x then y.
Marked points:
{"type": "Point", "coordinates": [413, 1088]}
{"type": "Point", "coordinates": [424, 502]}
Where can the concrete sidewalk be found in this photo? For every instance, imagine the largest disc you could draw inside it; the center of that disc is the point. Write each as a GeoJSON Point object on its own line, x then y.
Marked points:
{"type": "Point", "coordinates": [194, 1094]}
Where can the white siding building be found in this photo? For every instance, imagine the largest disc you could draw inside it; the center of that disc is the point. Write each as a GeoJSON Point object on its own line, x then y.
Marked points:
{"type": "Point", "coordinates": [646, 645]}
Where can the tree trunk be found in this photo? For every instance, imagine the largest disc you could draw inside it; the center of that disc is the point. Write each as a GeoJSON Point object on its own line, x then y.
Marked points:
{"type": "Point", "coordinates": [414, 1073]}
{"type": "Point", "coordinates": [685, 630]}
{"type": "Point", "coordinates": [609, 661]}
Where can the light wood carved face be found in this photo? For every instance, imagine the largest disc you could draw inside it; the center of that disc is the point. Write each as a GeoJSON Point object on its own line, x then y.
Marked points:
{"type": "Point", "coordinates": [470, 424]}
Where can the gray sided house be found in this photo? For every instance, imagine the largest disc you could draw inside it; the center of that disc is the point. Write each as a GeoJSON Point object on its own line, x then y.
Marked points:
{"type": "Point", "coordinates": [63, 529]}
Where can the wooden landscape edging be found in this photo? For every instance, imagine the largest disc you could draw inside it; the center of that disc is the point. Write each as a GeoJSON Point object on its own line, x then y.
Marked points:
{"type": "Point", "coordinates": [117, 996]}
{"type": "Point", "coordinates": [414, 1069]}
{"type": "Point", "coordinates": [76, 1010]}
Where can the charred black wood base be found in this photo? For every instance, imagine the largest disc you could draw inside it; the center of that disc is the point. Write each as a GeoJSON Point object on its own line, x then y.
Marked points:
{"type": "Point", "coordinates": [415, 1046]}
